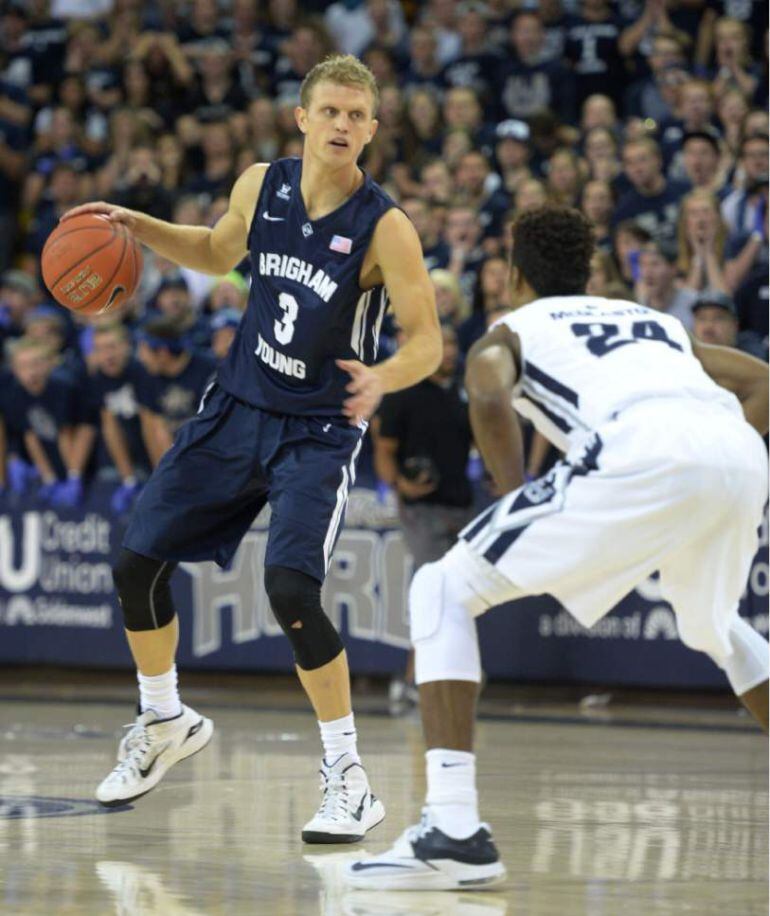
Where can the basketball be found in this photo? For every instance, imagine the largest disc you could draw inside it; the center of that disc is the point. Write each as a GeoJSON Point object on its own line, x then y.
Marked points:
{"type": "Point", "coordinates": [90, 264]}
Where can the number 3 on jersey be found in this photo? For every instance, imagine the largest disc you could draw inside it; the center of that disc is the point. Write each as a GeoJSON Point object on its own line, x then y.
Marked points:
{"type": "Point", "coordinates": [604, 338]}
{"type": "Point", "coordinates": [284, 329]}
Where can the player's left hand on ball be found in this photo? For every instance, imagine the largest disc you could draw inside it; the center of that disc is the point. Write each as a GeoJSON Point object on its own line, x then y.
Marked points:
{"type": "Point", "coordinates": [366, 391]}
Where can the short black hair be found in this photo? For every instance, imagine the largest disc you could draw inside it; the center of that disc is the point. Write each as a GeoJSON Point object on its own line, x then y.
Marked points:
{"type": "Point", "coordinates": [552, 247]}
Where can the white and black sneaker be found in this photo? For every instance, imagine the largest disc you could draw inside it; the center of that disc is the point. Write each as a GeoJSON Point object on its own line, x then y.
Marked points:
{"type": "Point", "coordinates": [149, 749]}
{"type": "Point", "coordinates": [425, 858]}
{"type": "Point", "coordinates": [348, 809]}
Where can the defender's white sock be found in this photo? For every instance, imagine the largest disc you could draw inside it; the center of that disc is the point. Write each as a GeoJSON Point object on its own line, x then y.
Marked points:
{"type": "Point", "coordinates": [159, 693]}
{"type": "Point", "coordinates": [452, 796]}
{"type": "Point", "coordinates": [338, 738]}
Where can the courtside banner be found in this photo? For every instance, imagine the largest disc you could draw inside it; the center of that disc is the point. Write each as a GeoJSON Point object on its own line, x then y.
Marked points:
{"type": "Point", "coordinates": [57, 606]}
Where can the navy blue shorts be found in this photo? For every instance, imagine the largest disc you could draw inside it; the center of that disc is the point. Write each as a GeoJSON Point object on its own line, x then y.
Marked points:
{"type": "Point", "coordinates": [225, 464]}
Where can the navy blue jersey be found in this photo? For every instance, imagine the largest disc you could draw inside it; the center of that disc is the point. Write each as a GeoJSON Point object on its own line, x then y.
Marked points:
{"type": "Point", "coordinates": [46, 414]}
{"type": "Point", "coordinates": [121, 395]}
{"type": "Point", "coordinates": [305, 309]}
{"type": "Point", "coordinates": [176, 398]}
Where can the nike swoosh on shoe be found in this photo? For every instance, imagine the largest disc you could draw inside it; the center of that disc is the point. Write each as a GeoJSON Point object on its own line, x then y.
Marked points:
{"type": "Point", "coordinates": [147, 770]}
{"type": "Point", "coordinates": [357, 814]}
{"type": "Point", "coordinates": [363, 866]}
{"type": "Point", "coordinates": [194, 729]}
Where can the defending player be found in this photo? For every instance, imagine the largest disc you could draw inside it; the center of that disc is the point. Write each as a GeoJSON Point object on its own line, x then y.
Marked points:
{"type": "Point", "coordinates": [283, 423]}
{"type": "Point", "coordinates": [663, 472]}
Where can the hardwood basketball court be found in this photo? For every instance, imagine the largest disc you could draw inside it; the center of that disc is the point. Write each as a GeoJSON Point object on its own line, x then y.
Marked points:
{"type": "Point", "coordinates": [638, 810]}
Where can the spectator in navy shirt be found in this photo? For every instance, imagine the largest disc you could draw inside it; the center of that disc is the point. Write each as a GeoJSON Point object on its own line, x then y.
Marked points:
{"type": "Point", "coordinates": [216, 86]}
{"type": "Point", "coordinates": [592, 48]}
{"type": "Point", "coordinates": [652, 202]}
{"type": "Point", "coordinates": [180, 376]}
{"type": "Point", "coordinates": [435, 251]}
{"type": "Point", "coordinates": [655, 95]}
{"type": "Point", "coordinates": [63, 193]}
{"type": "Point", "coordinates": [734, 67]}
{"type": "Point", "coordinates": [478, 187]}
{"type": "Point", "coordinates": [204, 24]}
{"type": "Point", "coordinates": [462, 110]}
{"type": "Point", "coordinates": [695, 113]}
{"type": "Point", "coordinates": [478, 63]}
{"type": "Point", "coordinates": [746, 269]}
{"type": "Point", "coordinates": [59, 144]}
{"type": "Point", "coordinates": [19, 294]}
{"type": "Point", "coordinates": [463, 234]}
{"type": "Point", "coordinates": [12, 164]}
{"type": "Point", "coordinates": [597, 203]}
{"type": "Point", "coordinates": [141, 187]}
{"type": "Point", "coordinates": [424, 68]}
{"type": "Point", "coordinates": [701, 162]}
{"type": "Point", "coordinates": [44, 419]}
{"type": "Point", "coordinates": [528, 83]}
{"type": "Point", "coordinates": [512, 153]}
{"type": "Point", "coordinates": [740, 207]}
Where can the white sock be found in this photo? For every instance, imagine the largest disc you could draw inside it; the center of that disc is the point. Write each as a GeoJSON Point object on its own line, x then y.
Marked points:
{"type": "Point", "coordinates": [452, 796]}
{"type": "Point", "coordinates": [160, 693]}
{"type": "Point", "coordinates": [338, 738]}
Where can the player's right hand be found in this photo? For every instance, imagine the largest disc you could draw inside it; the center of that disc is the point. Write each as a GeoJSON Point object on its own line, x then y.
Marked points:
{"type": "Point", "coordinates": [111, 211]}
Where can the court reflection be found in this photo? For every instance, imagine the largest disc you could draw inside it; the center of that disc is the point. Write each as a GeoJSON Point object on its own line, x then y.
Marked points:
{"type": "Point", "coordinates": [633, 826]}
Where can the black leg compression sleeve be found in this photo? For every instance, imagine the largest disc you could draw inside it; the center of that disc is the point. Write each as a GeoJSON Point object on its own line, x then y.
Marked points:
{"type": "Point", "coordinates": [144, 591]}
{"type": "Point", "coordinates": [296, 602]}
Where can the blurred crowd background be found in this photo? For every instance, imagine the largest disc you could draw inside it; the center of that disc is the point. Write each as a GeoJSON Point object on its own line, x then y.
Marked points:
{"type": "Point", "coordinates": [649, 115]}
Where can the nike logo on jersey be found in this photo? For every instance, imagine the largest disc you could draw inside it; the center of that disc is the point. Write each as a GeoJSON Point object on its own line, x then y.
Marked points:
{"type": "Point", "coordinates": [274, 219]}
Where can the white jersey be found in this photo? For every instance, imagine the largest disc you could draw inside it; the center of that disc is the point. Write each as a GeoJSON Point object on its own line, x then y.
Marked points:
{"type": "Point", "coordinates": [585, 358]}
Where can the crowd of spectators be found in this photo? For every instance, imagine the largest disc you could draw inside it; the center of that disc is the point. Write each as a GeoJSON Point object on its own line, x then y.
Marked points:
{"type": "Point", "coordinates": [649, 115]}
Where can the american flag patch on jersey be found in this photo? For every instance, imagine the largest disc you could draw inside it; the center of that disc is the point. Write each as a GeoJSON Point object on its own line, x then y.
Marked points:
{"type": "Point", "coordinates": [341, 243]}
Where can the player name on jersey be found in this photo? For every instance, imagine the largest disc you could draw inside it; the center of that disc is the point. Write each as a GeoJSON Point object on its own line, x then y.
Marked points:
{"type": "Point", "coordinates": [277, 265]}
{"type": "Point", "coordinates": [594, 311]}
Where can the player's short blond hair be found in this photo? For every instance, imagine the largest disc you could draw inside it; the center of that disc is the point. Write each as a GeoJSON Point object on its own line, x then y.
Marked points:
{"type": "Point", "coordinates": [344, 70]}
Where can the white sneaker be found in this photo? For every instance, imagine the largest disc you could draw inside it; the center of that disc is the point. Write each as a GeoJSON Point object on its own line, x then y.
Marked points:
{"type": "Point", "coordinates": [149, 750]}
{"type": "Point", "coordinates": [425, 858]}
{"type": "Point", "coordinates": [348, 809]}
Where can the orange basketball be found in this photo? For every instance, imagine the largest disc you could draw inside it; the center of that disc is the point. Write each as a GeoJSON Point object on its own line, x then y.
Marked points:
{"type": "Point", "coordinates": [90, 264]}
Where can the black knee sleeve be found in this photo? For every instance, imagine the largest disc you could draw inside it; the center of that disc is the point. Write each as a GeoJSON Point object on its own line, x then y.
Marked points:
{"type": "Point", "coordinates": [296, 602]}
{"type": "Point", "coordinates": [143, 590]}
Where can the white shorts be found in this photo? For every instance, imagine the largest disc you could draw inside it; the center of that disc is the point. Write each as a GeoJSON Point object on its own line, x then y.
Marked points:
{"type": "Point", "coordinates": [677, 486]}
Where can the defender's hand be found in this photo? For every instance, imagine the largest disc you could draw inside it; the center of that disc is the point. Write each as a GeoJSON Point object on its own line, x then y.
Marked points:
{"type": "Point", "coordinates": [366, 389]}
{"type": "Point", "coordinates": [113, 213]}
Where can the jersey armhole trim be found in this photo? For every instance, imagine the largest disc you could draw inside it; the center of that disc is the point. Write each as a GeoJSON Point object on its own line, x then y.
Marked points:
{"type": "Point", "coordinates": [258, 202]}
